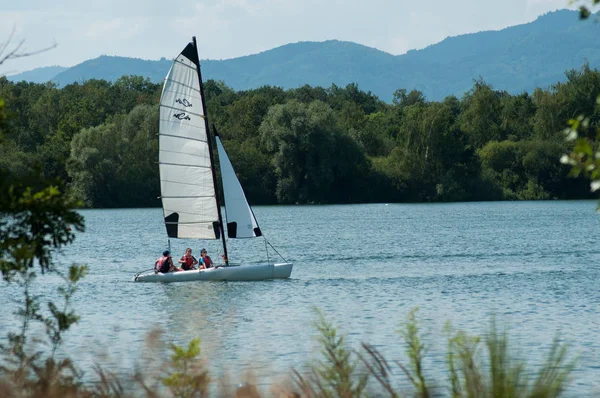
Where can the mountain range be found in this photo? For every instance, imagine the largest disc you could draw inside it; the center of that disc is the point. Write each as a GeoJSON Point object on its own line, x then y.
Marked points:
{"type": "Point", "coordinates": [516, 59]}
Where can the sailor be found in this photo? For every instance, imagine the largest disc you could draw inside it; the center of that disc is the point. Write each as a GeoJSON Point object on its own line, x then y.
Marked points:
{"type": "Point", "coordinates": [164, 264]}
{"type": "Point", "coordinates": [188, 261]}
{"type": "Point", "coordinates": [205, 259]}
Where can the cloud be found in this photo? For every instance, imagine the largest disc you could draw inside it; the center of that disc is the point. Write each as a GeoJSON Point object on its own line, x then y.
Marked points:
{"type": "Point", "coordinates": [116, 29]}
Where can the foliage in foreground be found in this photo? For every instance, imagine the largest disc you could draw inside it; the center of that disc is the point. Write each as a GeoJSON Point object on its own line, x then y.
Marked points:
{"type": "Point", "coordinates": [477, 367]}
{"type": "Point", "coordinates": [584, 131]}
{"type": "Point", "coordinates": [586, 7]}
{"type": "Point", "coordinates": [37, 218]}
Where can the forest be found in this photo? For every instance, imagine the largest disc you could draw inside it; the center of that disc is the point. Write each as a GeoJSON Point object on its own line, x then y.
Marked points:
{"type": "Point", "coordinates": [309, 145]}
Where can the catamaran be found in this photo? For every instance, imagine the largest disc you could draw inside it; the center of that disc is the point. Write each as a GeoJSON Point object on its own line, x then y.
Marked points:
{"type": "Point", "coordinates": [188, 182]}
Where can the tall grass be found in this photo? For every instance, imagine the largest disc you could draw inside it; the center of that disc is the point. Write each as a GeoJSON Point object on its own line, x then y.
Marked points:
{"type": "Point", "coordinates": [477, 366]}
{"type": "Point", "coordinates": [337, 373]}
{"type": "Point", "coordinates": [500, 373]}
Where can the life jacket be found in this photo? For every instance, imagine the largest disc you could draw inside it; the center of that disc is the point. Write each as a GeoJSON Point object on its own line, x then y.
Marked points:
{"type": "Point", "coordinates": [207, 262]}
{"type": "Point", "coordinates": [163, 265]}
{"type": "Point", "coordinates": [188, 262]}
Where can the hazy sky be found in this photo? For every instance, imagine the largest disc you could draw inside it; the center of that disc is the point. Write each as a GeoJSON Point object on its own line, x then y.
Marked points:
{"type": "Point", "coordinates": [151, 29]}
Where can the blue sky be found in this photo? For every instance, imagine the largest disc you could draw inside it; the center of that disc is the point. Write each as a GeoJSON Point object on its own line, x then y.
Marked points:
{"type": "Point", "coordinates": [152, 29]}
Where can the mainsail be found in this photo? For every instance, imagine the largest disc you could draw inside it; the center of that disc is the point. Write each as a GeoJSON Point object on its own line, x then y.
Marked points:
{"type": "Point", "coordinates": [241, 222]}
{"type": "Point", "coordinates": [186, 179]}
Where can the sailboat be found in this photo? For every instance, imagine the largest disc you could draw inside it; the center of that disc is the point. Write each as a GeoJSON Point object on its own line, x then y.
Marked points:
{"type": "Point", "coordinates": [188, 182]}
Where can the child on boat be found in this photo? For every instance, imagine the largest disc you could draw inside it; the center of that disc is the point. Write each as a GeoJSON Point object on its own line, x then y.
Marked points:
{"type": "Point", "coordinates": [165, 263]}
{"type": "Point", "coordinates": [205, 259]}
{"type": "Point", "coordinates": [188, 261]}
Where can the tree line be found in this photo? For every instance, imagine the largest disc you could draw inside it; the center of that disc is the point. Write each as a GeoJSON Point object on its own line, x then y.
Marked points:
{"type": "Point", "coordinates": [309, 144]}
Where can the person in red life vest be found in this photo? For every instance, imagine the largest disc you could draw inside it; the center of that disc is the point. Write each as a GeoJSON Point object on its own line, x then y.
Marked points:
{"type": "Point", "coordinates": [188, 261]}
{"type": "Point", "coordinates": [205, 259]}
{"type": "Point", "coordinates": [165, 263]}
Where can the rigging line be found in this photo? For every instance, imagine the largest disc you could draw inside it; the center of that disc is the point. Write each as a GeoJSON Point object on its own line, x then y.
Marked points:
{"type": "Point", "coordinates": [267, 250]}
{"type": "Point", "coordinates": [272, 247]}
{"type": "Point", "coordinates": [219, 247]}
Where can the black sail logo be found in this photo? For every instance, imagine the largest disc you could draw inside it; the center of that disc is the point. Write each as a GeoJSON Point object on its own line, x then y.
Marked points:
{"type": "Point", "coordinates": [184, 102]}
{"type": "Point", "coordinates": [181, 116]}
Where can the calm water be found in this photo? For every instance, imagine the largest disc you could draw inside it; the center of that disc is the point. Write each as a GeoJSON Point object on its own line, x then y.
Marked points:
{"type": "Point", "coordinates": [534, 265]}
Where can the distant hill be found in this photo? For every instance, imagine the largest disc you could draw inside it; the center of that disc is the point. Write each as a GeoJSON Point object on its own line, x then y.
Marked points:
{"type": "Point", "coordinates": [110, 68]}
{"type": "Point", "coordinates": [516, 59]}
{"type": "Point", "coordinates": [38, 75]}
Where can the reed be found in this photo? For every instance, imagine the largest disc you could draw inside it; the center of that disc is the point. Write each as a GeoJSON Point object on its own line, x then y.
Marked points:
{"type": "Point", "coordinates": [337, 373]}
{"type": "Point", "coordinates": [477, 366]}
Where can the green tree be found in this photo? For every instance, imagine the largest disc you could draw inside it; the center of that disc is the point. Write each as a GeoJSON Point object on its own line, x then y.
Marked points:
{"type": "Point", "coordinates": [526, 170]}
{"type": "Point", "coordinates": [339, 97]}
{"type": "Point", "coordinates": [517, 116]}
{"type": "Point", "coordinates": [114, 164]}
{"type": "Point", "coordinates": [546, 178]}
{"type": "Point", "coordinates": [308, 94]}
{"type": "Point", "coordinates": [314, 161]}
{"type": "Point", "coordinates": [219, 98]}
{"type": "Point", "coordinates": [480, 116]}
{"type": "Point", "coordinates": [129, 91]}
{"type": "Point", "coordinates": [84, 105]}
{"type": "Point", "coordinates": [549, 117]}
{"type": "Point", "coordinates": [402, 99]}
{"type": "Point", "coordinates": [500, 165]}
{"type": "Point", "coordinates": [378, 133]}
{"type": "Point", "coordinates": [246, 114]}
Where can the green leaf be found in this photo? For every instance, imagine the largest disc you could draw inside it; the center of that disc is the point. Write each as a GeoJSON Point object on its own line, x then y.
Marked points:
{"type": "Point", "coordinates": [584, 13]}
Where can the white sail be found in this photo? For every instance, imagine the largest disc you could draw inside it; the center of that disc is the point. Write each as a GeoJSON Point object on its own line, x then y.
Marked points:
{"type": "Point", "coordinates": [186, 181]}
{"type": "Point", "coordinates": [241, 222]}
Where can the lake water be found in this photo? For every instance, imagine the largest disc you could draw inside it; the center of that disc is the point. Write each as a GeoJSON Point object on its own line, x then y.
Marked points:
{"type": "Point", "coordinates": [533, 265]}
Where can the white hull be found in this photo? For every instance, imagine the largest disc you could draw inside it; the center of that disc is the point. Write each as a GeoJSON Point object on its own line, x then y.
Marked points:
{"type": "Point", "coordinates": [251, 272]}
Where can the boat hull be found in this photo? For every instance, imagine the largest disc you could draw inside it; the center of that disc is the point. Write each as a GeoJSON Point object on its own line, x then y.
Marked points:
{"type": "Point", "coordinates": [251, 272]}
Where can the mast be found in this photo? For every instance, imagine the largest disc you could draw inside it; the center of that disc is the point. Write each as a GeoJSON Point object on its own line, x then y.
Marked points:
{"type": "Point", "coordinates": [212, 157]}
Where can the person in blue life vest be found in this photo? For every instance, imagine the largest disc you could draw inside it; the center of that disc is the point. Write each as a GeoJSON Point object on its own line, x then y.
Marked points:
{"type": "Point", "coordinates": [165, 263]}
{"type": "Point", "coordinates": [188, 261]}
{"type": "Point", "coordinates": [205, 260]}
